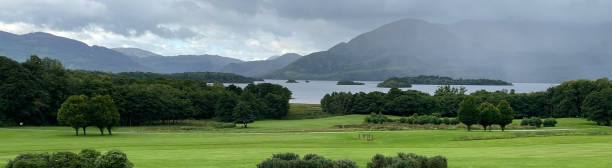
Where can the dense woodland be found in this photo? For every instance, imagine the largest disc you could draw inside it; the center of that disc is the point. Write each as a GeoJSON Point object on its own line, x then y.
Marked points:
{"type": "Point", "coordinates": [32, 92]}
{"type": "Point", "coordinates": [577, 98]}
{"type": "Point", "coordinates": [436, 80]}
{"type": "Point", "coordinates": [209, 77]}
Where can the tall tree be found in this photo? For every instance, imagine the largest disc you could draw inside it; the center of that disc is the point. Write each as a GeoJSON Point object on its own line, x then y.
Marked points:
{"type": "Point", "coordinates": [225, 106]}
{"type": "Point", "coordinates": [244, 113]}
{"type": "Point", "coordinates": [72, 113]}
{"type": "Point", "coordinates": [467, 112]}
{"type": "Point", "coordinates": [506, 114]}
{"type": "Point", "coordinates": [489, 115]}
{"type": "Point", "coordinates": [598, 107]}
{"type": "Point", "coordinates": [103, 112]}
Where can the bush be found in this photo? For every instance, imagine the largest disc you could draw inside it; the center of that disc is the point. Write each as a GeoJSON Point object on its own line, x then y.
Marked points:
{"type": "Point", "coordinates": [377, 119]}
{"type": "Point", "coordinates": [550, 122]}
{"type": "Point", "coordinates": [291, 160]}
{"type": "Point", "coordinates": [524, 122]}
{"type": "Point", "coordinates": [535, 121]}
{"type": "Point", "coordinates": [437, 162]}
{"type": "Point", "coordinates": [287, 156]}
{"type": "Point", "coordinates": [428, 119]}
{"type": "Point", "coordinates": [29, 161]}
{"type": "Point", "coordinates": [88, 157]}
{"type": "Point", "coordinates": [410, 160]}
{"type": "Point", "coordinates": [113, 159]}
{"type": "Point", "coordinates": [65, 160]}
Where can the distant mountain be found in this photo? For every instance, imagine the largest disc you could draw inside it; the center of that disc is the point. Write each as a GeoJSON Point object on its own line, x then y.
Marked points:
{"type": "Point", "coordinates": [518, 51]}
{"type": "Point", "coordinates": [177, 64]}
{"type": "Point", "coordinates": [185, 63]}
{"type": "Point", "coordinates": [72, 53]}
{"type": "Point", "coordinates": [259, 68]}
{"type": "Point", "coordinates": [136, 52]}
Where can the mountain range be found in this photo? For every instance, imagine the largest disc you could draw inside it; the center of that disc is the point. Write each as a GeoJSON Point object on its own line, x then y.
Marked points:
{"type": "Point", "coordinates": [510, 50]}
{"type": "Point", "coordinates": [73, 54]}
{"type": "Point", "coordinates": [78, 55]}
{"type": "Point", "coordinates": [518, 51]}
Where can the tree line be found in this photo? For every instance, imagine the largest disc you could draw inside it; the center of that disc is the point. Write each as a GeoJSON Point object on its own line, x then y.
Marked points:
{"type": "Point", "coordinates": [589, 99]}
{"type": "Point", "coordinates": [32, 92]}
{"type": "Point", "coordinates": [436, 80]}
{"type": "Point", "coordinates": [209, 77]}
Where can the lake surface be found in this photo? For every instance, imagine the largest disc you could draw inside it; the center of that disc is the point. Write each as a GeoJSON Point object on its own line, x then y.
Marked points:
{"type": "Point", "coordinates": [312, 92]}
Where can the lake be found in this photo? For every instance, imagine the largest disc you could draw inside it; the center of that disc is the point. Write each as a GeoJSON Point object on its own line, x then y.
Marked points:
{"type": "Point", "coordinates": [312, 92]}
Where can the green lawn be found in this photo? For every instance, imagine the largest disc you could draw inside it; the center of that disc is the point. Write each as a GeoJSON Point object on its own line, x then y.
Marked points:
{"type": "Point", "coordinates": [228, 148]}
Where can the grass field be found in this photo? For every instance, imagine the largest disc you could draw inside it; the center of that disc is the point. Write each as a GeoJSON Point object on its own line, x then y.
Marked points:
{"type": "Point", "coordinates": [590, 146]}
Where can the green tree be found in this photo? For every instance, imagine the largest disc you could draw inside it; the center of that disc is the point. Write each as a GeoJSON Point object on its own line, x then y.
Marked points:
{"type": "Point", "coordinates": [506, 114]}
{"type": "Point", "coordinates": [489, 115]}
{"type": "Point", "coordinates": [467, 112]}
{"type": "Point", "coordinates": [104, 113]}
{"type": "Point", "coordinates": [598, 107]}
{"type": "Point", "coordinates": [244, 113]}
{"type": "Point", "coordinates": [73, 113]}
{"type": "Point", "coordinates": [225, 106]}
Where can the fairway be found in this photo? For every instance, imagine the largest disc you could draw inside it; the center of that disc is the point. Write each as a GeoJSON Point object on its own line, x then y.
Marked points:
{"type": "Point", "coordinates": [240, 148]}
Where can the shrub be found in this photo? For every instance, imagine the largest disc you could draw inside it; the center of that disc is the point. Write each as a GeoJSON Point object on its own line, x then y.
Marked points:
{"type": "Point", "coordinates": [88, 157]}
{"type": "Point", "coordinates": [377, 119]}
{"type": "Point", "coordinates": [535, 121]}
{"type": "Point", "coordinates": [113, 159]}
{"type": "Point", "coordinates": [525, 122]}
{"type": "Point", "coordinates": [345, 163]}
{"type": "Point", "coordinates": [436, 162]}
{"type": "Point", "coordinates": [29, 161]}
{"type": "Point", "coordinates": [65, 160]}
{"type": "Point", "coordinates": [550, 122]}
{"type": "Point", "coordinates": [291, 160]}
{"type": "Point", "coordinates": [410, 160]}
{"type": "Point", "coordinates": [287, 156]}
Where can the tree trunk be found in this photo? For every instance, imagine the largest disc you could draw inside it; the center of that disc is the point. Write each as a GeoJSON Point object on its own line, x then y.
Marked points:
{"type": "Point", "coordinates": [245, 125]}
{"type": "Point", "coordinates": [468, 127]}
{"type": "Point", "coordinates": [109, 130]}
{"type": "Point", "coordinates": [101, 130]}
{"type": "Point", "coordinates": [77, 131]}
{"type": "Point", "coordinates": [485, 128]}
{"type": "Point", "coordinates": [84, 132]}
{"type": "Point", "coordinates": [503, 127]}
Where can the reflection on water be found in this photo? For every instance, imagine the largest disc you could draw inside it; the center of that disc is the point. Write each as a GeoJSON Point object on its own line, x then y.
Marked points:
{"type": "Point", "coordinates": [312, 92]}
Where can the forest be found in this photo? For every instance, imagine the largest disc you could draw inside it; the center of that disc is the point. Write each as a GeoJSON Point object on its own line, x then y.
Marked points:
{"type": "Point", "coordinates": [32, 92]}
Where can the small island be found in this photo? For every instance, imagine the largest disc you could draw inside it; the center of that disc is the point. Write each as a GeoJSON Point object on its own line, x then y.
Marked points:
{"type": "Point", "coordinates": [406, 82]}
{"type": "Point", "coordinates": [292, 81]}
{"type": "Point", "coordinates": [348, 82]}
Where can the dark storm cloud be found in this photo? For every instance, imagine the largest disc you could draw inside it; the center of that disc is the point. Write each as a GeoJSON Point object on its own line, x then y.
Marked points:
{"type": "Point", "coordinates": [310, 24]}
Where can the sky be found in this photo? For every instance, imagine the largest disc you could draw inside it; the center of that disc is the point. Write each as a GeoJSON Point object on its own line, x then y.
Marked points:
{"type": "Point", "coordinates": [257, 29]}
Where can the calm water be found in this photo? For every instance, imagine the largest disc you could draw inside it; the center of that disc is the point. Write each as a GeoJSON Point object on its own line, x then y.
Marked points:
{"type": "Point", "coordinates": [311, 93]}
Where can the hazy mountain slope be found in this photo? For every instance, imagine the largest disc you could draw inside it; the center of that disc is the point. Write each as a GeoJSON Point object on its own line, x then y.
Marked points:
{"type": "Point", "coordinates": [507, 50]}
{"type": "Point", "coordinates": [259, 68]}
{"type": "Point", "coordinates": [185, 63]}
{"type": "Point", "coordinates": [136, 52]}
{"type": "Point", "coordinates": [72, 53]}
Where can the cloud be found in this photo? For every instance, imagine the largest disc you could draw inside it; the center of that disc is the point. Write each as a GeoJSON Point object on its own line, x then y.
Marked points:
{"type": "Point", "coordinates": [256, 29]}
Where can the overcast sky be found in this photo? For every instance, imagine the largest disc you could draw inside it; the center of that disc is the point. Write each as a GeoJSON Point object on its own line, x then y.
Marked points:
{"type": "Point", "coordinates": [257, 29]}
